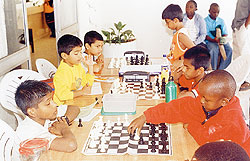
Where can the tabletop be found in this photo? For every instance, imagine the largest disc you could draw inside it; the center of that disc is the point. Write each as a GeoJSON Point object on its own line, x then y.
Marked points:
{"type": "Point", "coordinates": [183, 143]}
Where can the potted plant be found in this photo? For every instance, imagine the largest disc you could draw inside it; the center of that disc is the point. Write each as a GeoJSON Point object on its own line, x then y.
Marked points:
{"type": "Point", "coordinates": [117, 41]}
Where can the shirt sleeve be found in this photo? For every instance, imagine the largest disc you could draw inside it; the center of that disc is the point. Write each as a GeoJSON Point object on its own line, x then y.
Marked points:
{"type": "Point", "coordinates": [63, 85]}
{"type": "Point", "coordinates": [179, 110]}
{"type": "Point", "coordinates": [202, 30]}
{"type": "Point", "coordinates": [223, 28]}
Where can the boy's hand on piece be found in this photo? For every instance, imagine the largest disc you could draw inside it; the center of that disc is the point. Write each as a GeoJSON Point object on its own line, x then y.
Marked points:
{"type": "Point", "coordinates": [137, 123]}
{"type": "Point", "coordinates": [57, 127]}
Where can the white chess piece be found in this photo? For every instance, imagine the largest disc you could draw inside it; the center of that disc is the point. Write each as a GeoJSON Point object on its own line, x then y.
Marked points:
{"type": "Point", "coordinates": [137, 137]}
{"type": "Point", "coordinates": [118, 121]}
{"type": "Point", "coordinates": [102, 147]}
{"type": "Point", "coordinates": [156, 96]}
{"type": "Point", "coordinates": [92, 143]}
{"type": "Point", "coordinates": [126, 120]}
{"type": "Point", "coordinates": [108, 124]}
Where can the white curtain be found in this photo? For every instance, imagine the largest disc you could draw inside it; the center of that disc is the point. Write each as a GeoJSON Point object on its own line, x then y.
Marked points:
{"type": "Point", "coordinates": [3, 38]}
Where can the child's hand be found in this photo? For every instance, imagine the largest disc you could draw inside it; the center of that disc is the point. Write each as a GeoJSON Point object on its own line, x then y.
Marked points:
{"type": "Point", "coordinates": [88, 60]}
{"type": "Point", "coordinates": [137, 123]}
{"type": "Point", "coordinates": [57, 127]}
{"type": "Point", "coordinates": [177, 69]}
{"type": "Point", "coordinates": [86, 90]}
{"type": "Point", "coordinates": [185, 126]}
{"type": "Point", "coordinates": [100, 59]}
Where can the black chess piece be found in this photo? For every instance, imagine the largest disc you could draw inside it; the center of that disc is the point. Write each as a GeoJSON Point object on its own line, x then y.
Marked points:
{"type": "Point", "coordinates": [136, 60]}
{"type": "Point", "coordinates": [80, 123]}
{"type": "Point", "coordinates": [163, 86]}
{"type": "Point", "coordinates": [164, 148]}
{"type": "Point", "coordinates": [142, 60]}
{"type": "Point", "coordinates": [131, 136]}
{"type": "Point", "coordinates": [153, 149]}
{"type": "Point", "coordinates": [141, 85]}
{"type": "Point", "coordinates": [150, 85]}
{"type": "Point", "coordinates": [131, 60]}
{"type": "Point", "coordinates": [141, 141]}
{"type": "Point", "coordinates": [147, 60]}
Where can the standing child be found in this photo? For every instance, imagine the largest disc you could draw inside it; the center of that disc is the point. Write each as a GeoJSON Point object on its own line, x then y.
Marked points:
{"type": "Point", "coordinates": [173, 17]}
{"type": "Point", "coordinates": [213, 22]}
{"type": "Point", "coordinates": [93, 43]}
{"type": "Point", "coordinates": [196, 62]}
{"type": "Point", "coordinates": [49, 16]}
{"type": "Point", "coordinates": [34, 98]}
{"type": "Point", "coordinates": [70, 79]}
{"type": "Point", "coordinates": [214, 115]}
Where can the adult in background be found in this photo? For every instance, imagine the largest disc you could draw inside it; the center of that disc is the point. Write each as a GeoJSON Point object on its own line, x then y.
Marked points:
{"type": "Point", "coordinates": [194, 23]}
{"type": "Point", "coordinates": [241, 40]}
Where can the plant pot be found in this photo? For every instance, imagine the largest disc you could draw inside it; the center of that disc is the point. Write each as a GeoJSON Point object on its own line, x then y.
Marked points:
{"type": "Point", "coordinates": [117, 50]}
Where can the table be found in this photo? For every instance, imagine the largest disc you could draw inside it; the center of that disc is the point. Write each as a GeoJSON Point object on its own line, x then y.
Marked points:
{"type": "Point", "coordinates": [183, 143]}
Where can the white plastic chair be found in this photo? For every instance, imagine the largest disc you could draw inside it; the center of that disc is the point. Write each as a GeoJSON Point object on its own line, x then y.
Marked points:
{"type": "Point", "coordinates": [46, 68]}
{"type": "Point", "coordinates": [8, 86]}
{"type": "Point", "coordinates": [7, 140]}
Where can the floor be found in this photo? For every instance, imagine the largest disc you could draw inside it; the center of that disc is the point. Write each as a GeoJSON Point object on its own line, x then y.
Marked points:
{"type": "Point", "coordinates": [44, 48]}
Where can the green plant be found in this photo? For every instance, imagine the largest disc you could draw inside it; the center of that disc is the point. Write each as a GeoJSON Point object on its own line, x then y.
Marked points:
{"type": "Point", "coordinates": [118, 36]}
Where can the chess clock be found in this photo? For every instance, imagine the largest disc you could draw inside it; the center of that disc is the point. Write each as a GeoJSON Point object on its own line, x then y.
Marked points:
{"type": "Point", "coordinates": [136, 76]}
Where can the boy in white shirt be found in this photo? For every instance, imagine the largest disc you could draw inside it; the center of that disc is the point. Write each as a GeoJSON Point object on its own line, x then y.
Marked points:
{"type": "Point", "coordinates": [34, 98]}
{"type": "Point", "coordinates": [93, 43]}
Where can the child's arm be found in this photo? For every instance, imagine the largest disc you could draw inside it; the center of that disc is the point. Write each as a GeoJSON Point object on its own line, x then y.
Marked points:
{"type": "Point", "coordinates": [66, 143]}
{"type": "Point", "coordinates": [215, 40]}
{"type": "Point", "coordinates": [88, 60]}
{"type": "Point", "coordinates": [72, 112]}
{"type": "Point", "coordinates": [185, 42]}
{"type": "Point", "coordinates": [99, 64]}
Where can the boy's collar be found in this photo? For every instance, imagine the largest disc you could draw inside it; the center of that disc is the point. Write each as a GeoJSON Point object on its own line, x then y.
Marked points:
{"type": "Point", "coordinates": [210, 113]}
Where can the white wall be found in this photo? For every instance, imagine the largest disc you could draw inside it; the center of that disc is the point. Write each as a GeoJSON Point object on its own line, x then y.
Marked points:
{"type": "Point", "coordinates": [144, 18]}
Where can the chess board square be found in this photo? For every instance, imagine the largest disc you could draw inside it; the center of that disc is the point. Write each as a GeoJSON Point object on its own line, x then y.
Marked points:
{"type": "Point", "coordinates": [113, 146]}
{"type": "Point", "coordinates": [133, 146]}
{"type": "Point", "coordinates": [114, 142]}
{"type": "Point", "coordinates": [122, 146]}
{"type": "Point", "coordinates": [124, 137]}
{"type": "Point", "coordinates": [116, 127]}
{"type": "Point", "coordinates": [105, 146]}
{"type": "Point", "coordinates": [144, 146]}
{"type": "Point", "coordinates": [142, 151]}
{"type": "Point", "coordinates": [122, 150]}
{"type": "Point", "coordinates": [117, 131]}
{"type": "Point", "coordinates": [111, 151]}
{"type": "Point", "coordinates": [115, 138]}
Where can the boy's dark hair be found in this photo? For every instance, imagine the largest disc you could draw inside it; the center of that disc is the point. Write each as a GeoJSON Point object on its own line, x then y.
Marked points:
{"type": "Point", "coordinates": [221, 151]}
{"type": "Point", "coordinates": [199, 56]}
{"type": "Point", "coordinates": [172, 11]}
{"type": "Point", "coordinates": [91, 36]}
{"type": "Point", "coordinates": [195, 4]}
{"type": "Point", "coordinates": [214, 5]}
{"type": "Point", "coordinates": [29, 93]}
{"type": "Point", "coordinates": [67, 43]}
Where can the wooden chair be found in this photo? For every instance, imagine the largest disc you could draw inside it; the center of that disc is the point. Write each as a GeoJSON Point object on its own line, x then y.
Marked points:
{"type": "Point", "coordinates": [8, 87]}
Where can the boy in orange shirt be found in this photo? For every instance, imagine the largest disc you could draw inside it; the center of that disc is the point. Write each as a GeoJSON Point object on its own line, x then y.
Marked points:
{"type": "Point", "coordinates": [173, 17]}
{"type": "Point", "coordinates": [214, 115]}
{"type": "Point", "coordinates": [196, 62]}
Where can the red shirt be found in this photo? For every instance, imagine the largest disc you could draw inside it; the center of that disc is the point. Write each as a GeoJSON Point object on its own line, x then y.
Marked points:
{"type": "Point", "coordinates": [227, 124]}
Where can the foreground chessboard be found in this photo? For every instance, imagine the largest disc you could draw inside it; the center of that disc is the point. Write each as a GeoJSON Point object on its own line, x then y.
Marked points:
{"type": "Point", "coordinates": [118, 141]}
{"type": "Point", "coordinates": [143, 93]}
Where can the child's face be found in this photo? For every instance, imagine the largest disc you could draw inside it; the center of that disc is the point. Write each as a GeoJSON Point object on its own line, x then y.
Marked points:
{"type": "Point", "coordinates": [209, 100]}
{"type": "Point", "coordinates": [47, 108]}
{"type": "Point", "coordinates": [74, 57]}
{"type": "Point", "coordinates": [190, 8]}
{"type": "Point", "coordinates": [170, 23]}
{"type": "Point", "coordinates": [95, 48]}
{"type": "Point", "coordinates": [214, 12]}
{"type": "Point", "coordinates": [189, 70]}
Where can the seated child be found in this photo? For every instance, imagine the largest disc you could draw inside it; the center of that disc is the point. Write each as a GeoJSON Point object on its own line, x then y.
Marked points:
{"type": "Point", "coordinates": [214, 115]}
{"type": "Point", "coordinates": [196, 62]}
{"type": "Point", "coordinates": [70, 79]}
{"type": "Point", "coordinates": [213, 22]}
{"type": "Point", "coordinates": [93, 43]}
{"type": "Point", "coordinates": [34, 98]}
{"type": "Point", "coordinates": [173, 17]}
{"type": "Point", "coordinates": [220, 151]}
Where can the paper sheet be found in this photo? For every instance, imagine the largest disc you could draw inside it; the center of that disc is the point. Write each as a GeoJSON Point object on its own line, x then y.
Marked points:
{"type": "Point", "coordinates": [90, 116]}
{"type": "Point", "coordinates": [104, 79]}
{"type": "Point", "coordinates": [96, 88]}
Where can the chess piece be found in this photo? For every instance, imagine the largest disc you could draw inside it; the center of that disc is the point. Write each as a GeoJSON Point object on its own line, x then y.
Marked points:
{"type": "Point", "coordinates": [163, 86]}
{"type": "Point", "coordinates": [141, 85]}
{"type": "Point", "coordinates": [136, 60]}
{"type": "Point", "coordinates": [131, 60]}
{"type": "Point", "coordinates": [142, 60]}
{"type": "Point", "coordinates": [147, 60]}
{"type": "Point", "coordinates": [80, 123]}
{"type": "Point", "coordinates": [141, 141]}
{"type": "Point", "coordinates": [92, 143]}
{"type": "Point", "coordinates": [119, 121]}
{"type": "Point", "coordinates": [131, 136]}
{"type": "Point", "coordinates": [137, 137]}
{"type": "Point", "coordinates": [164, 148]}
{"type": "Point", "coordinates": [150, 85]}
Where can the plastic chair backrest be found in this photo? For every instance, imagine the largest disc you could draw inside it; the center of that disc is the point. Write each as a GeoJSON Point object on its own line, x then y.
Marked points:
{"type": "Point", "coordinates": [8, 86]}
{"type": "Point", "coordinates": [46, 68]}
{"type": "Point", "coordinates": [7, 140]}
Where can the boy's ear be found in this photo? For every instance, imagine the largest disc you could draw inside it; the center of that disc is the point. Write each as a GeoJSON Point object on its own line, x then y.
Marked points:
{"type": "Point", "coordinates": [176, 20]}
{"type": "Point", "coordinates": [31, 112]}
{"type": "Point", "coordinates": [87, 46]}
{"type": "Point", "coordinates": [224, 101]}
{"type": "Point", "coordinates": [200, 70]}
{"type": "Point", "coordinates": [64, 55]}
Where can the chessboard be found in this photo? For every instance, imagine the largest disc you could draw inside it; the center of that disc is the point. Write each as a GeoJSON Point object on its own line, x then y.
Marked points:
{"type": "Point", "coordinates": [112, 138]}
{"type": "Point", "coordinates": [146, 92]}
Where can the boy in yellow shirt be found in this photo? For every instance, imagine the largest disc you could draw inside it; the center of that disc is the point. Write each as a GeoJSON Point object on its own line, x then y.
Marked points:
{"type": "Point", "coordinates": [70, 79]}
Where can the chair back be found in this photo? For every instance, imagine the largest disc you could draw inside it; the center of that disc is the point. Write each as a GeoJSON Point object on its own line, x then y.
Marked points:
{"type": "Point", "coordinates": [7, 140]}
{"type": "Point", "coordinates": [8, 86]}
{"type": "Point", "coordinates": [46, 68]}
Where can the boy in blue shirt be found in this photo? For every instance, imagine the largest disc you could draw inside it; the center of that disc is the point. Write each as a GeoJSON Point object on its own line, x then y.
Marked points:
{"type": "Point", "coordinates": [213, 22]}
